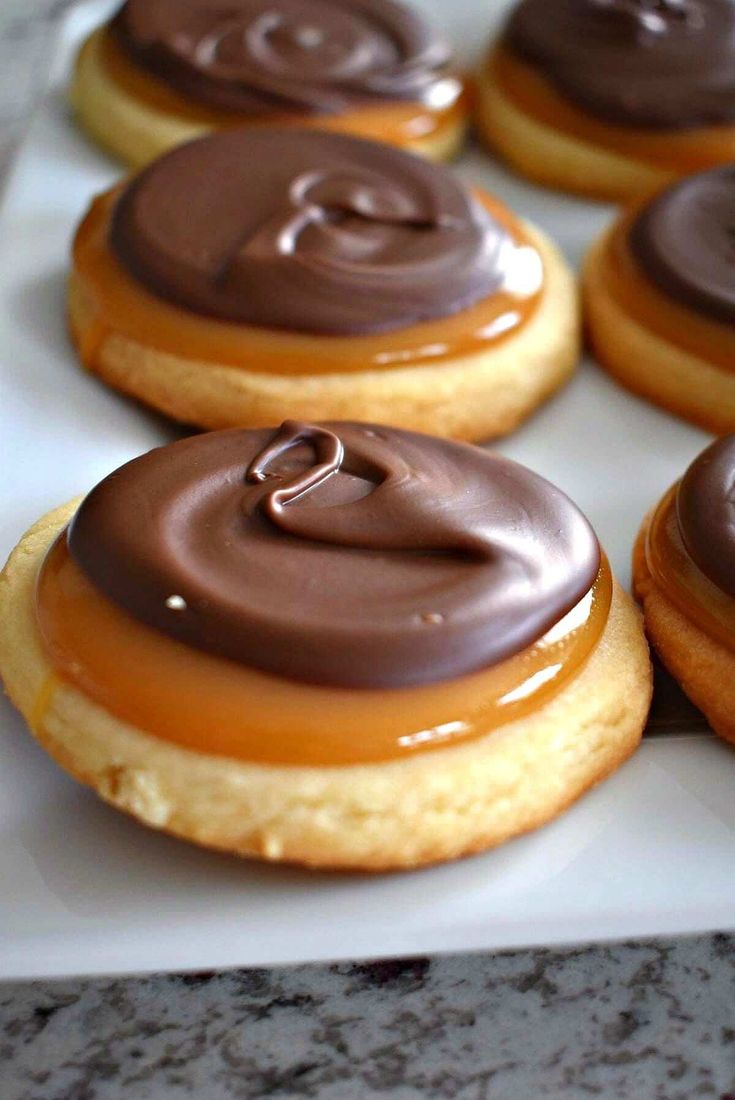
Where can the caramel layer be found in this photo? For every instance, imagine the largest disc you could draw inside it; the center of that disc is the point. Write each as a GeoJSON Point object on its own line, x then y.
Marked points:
{"type": "Point", "coordinates": [681, 151]}
{"type": "Point", "coordinates": [212, 705]}
{"type": "Point", "coordinates": [122, 306]}
{"type": "Point", "coordinates": [682, 581]}
{"type": "Point", "coordinates": [640, 299]}
{"type": "Point", "coordinates": [396, 123]}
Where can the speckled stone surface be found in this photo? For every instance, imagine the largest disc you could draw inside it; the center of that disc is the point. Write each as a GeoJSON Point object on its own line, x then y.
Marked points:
{"type": "Point", "coordinates": [645, 1021]}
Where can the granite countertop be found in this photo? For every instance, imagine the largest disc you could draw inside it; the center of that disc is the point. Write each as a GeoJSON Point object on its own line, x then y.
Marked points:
{"type": "Point", "coordinates": [651, 1021]}
{"type": "Point", "coordinates": [640, 1020]}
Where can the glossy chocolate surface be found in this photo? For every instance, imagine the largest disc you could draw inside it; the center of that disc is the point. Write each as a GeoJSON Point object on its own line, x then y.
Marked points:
{"type": "Point", "coordinates": [311, 231]}
{"type": "Point", "coordinates": [270, 57]}
{"type": "Point", "coordinates": [658, 64]}
{"type": "Point", "coordinates": [705, 506]}
{"type": "Point", "coordinates": [684, 240]}
{"type": "Point", "coordinates": [347, 554]}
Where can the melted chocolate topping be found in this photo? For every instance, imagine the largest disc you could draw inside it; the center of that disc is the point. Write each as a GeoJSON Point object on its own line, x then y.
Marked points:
{"type": "Point", "coordinates": [684, 240]}
{"type": "Point", "coordinates": [344, 554]}
{"type": "Point", "coordinates": [265, 57]}
{"type": "Point", "coordinates": [705, 507]}
{"type": "Point", "coordinates": [661, 64]}
{"type": "Point", "coordinates": [310, 231]}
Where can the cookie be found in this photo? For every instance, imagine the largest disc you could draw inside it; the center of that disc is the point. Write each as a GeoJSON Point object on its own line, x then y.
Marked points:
{"type": "Point", "coordinates": [252, 272]}
{"type": "Point", "coordinates": [364, 648]}
{"type": "Point", "coordinates": [163, 72]}
{"type": "Point", "coordinates": [684, 577]}
{"type": "Point", "coordinates": [610, 100]}
{"type": "Point", "coordinates": [660, 304]}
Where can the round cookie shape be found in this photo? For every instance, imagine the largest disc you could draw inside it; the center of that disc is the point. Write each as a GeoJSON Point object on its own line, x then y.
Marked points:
{"type": "Point", "coordinates": [684, 240]}
{"type": "Point", "coordinates": [346, 553]}
{"type": "Point", "coordinates": [261, 57]}
{"type": "Point", "coordinates": [346, 237]}
{"type": "Point", "coordinates": [705, 506]}
{"type": "Point", "coordinates": [668, 65]}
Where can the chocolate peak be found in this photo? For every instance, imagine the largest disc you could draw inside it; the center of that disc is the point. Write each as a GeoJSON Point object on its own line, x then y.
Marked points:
{"type": "Point", "coordinates": [347, 554]}
{"type": "Point", "coordinates": [705, 507]}
{"type": "Point", "coordinates": [657, 64]}
{"type": "Point", "coordinates": [406, 523]}
{"type": "Point", "coordinates": [684, 240]}
{"type": "Point", "coordinates": [311, 231]}
{"type": "Point", "coordinates": [270, 57]}
{"type": "Point", "coordinates": [327, 448]}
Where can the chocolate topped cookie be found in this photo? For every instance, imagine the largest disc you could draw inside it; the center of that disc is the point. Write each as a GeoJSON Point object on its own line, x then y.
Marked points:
{"type": "Point", "coordinates": [611, 98]}
{"type": "Point", "coordinates": [340, 644]}
{"type": "Point", "coordinates": [165, 71]}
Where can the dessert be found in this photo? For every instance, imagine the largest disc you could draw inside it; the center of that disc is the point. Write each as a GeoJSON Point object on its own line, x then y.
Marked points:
{"type": "Point", "coordinates": [660, 299]}
{"type": "Point", "coordinates": [259, 271]}
{"type": "Point", "coordinates": [165, 71]}
{"type": "Point", "coordinates": [684, 577]}
{"type": "Point", "coordinates": [610, 98]}
{"type": "Point", "coordinates": [363, 647]}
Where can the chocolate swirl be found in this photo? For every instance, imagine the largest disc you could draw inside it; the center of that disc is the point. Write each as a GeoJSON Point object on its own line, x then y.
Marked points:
{"type": "Point", "coordinates": [266, 57]}
{"type": "Point", "coordinates": [684, 240]}
{"type": "Point", "coordinates": [705, 508]}
{"type": "Point", "coordinates": [345, 554]}
{"type": "Point", "coordinates": [310, 231]}
{"type": "Point", "coordinates": [661, 64]}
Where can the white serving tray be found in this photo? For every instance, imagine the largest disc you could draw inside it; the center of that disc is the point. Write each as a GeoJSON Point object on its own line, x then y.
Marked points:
{"type": "Point", "coordinates": [85, 890]}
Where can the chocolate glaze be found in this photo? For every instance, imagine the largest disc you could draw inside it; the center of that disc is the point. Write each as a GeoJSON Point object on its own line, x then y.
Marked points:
{"type": "Point", "coordinates": [311, 231]}
{"type": "Point", "coordinates": [265, 57]}
{"type": "Point", "coordinates": [684, 240]}
{"type": "Point", "coordinates": [345, 553]}
{"type": "Point", "coordinates": [661, 64]}
{"type": "Point", "coordinates": [705, 508]}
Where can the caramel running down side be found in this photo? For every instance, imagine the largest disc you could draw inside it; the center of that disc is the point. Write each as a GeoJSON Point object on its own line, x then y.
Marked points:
{"type": "Point", "coordinates": [400, 559]}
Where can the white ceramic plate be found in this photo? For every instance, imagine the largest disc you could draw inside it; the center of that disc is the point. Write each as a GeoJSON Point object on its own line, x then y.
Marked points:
{"type": "Point", "coordinates": [85, 890]}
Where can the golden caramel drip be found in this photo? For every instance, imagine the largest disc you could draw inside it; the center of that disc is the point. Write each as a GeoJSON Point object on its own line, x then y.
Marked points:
{"type": "Point", "coordinates": [212, 705]}
{"type": "Point", "coordinates": [396, 123]}
{"type": "Point", "coordinates": [640, 299]}
{"type": "Point", "coordinates": [680, 151]}
{"type": "Point", "coordinates": [123, 306]}
{"type": "Point", "coordinates": [43, 701]}
{"type": "Point", "coordinates": [682, 581]}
